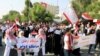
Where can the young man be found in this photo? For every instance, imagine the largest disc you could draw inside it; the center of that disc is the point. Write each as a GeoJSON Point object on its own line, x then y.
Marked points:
{"type": "Point", "coordinates": [42, 37]}
{"type": "Point", "coordinates": [1, 35]}
{"type": "Point", "coordinates": [92, 31]}
{"type": "Point", "coordinates": [10, 41]}
{"type": "Point", "coordinates": [68, 41]}
{"type": "Point", "coordinates": [97, 38]}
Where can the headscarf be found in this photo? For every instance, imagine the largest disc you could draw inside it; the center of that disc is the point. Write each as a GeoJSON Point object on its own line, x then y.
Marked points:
{"type": "Point", "coordinates": [10, 33]}
{"type": "Point", "coordinates": [41, 33]}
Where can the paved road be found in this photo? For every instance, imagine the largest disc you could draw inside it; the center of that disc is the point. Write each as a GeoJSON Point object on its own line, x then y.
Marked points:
{"type": "Point", "coordinates": [83, 52]}
{"type": "Point", "coordinates": [1, 51]}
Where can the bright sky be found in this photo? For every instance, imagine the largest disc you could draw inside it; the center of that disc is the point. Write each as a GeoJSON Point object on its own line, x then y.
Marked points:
{"type": "Point", "coordinates": [18, 5]}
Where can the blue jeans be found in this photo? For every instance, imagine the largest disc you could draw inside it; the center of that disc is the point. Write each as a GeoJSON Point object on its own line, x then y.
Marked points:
{"type": "Point", "coordinates": [68, 53]}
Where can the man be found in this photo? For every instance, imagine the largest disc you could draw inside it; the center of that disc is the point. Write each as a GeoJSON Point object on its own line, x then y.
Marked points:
{"type": "Point", "coordinates": [25, 28]}
{"type": "Point", "coordinates": [1, 34]}
{"type": "Point", "coordinates": [68, 41]}
{"type": "Point", "coordinates": [42, 37]}
{"type": "Point", "coordinates": [97, 38]}
{"type": "Point", "coordinates": [10, 41]}
{"type": "Point", "coordinates": [91, 31]}
{"type": "Point", "coordinates": [57, 40]}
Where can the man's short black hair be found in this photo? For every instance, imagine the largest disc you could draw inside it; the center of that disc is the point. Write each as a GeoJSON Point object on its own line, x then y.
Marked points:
{"type": "Point", "coordinates": [67, 29]}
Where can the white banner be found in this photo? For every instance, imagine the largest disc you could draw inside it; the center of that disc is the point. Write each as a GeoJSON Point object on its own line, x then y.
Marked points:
{"type": "Point", "coordinates": [28, 43]}
{"type": "Point", "coordinates": [84, 41]}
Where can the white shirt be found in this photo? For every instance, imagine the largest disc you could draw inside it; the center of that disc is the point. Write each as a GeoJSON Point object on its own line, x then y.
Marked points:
{"type": "Point", "coordinates": [31, 27]}
{"type": "Point", "coordinates": [10, 42]}
{"type": "Point", "coordinates": [30, 36]}
{"type": "Point", "coordinates": [93, 39]}
{"type": "Point", "coordinates": [3, 28]}
{"type": "Point", "coordinates": [88, 30]}
{"type": "Point", "coordinates": [57, 32]}
{"type": "Point", "coordinates": [66, 42]}
{"type": "Point", "coordinates": [52, 29]}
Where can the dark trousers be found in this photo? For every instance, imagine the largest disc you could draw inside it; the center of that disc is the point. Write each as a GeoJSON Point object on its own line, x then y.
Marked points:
{"type": "Point", "coordinates": [76, 52]}
{"type": "Point", "coordinates": [68, 53]}
{"type": "Point", "coordinates": [40, 53]}
{"type": "Point", "coordinates": [13, 52]}
{"type": "Point", "coordinates": [97, 43]}
{"type": "Point", "coordinates": [0, 41]}
{"type": "Point", "coordinates": [4, 33]}
{"type": "Point", "coordinates": [57, 47]}
{"type": "Point", "coordinates": [90, 48]}
{"type": "Point", "coordinates": [49, 44]}
{"type": "Point", "coordinates": [62, 52]}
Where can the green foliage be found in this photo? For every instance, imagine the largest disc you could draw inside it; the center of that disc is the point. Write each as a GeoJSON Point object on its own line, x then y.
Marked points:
{"type": "Point", "coordinates": [26, 11]}
{"type": "Point", "coordinates": [39, 13]}
{"type": "Point", "coordinates": [91, 6]}
{"type": "Point", "coordinates": [5, 17]}
{"type": "Point", "coordinates": [28, 3]}
{"type": "Point", "coordinates": [23, 18]}
{"type": "Point", "coordinates": [35, 12]}
{"type": "Point", "coordinates": [78, 7]}
{"type": "Point", "coordinates": [94, 9]}
{"type": "Point", "coordinates": [12, 15]}
{"type": "Point", "coordinates": [65, 22]}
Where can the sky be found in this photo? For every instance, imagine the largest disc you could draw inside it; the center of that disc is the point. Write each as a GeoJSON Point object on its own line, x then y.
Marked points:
{"type": "Point", "coordinates": [18, 5]}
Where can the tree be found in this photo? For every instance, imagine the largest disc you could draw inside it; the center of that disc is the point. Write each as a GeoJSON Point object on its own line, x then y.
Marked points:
{"type": "Point", "coordinates": [65, 22]}
{"type": "Point", "coordinates": [94, 9]}
{"type": "Point", "coordinates": [5, 17]}
{"type": "Point", "coordinates": [81, 6]}
{"type": "Point", "coordinates": [35, 12]}
{"type": "Point", "coordinates": [26, 11]}
{"type": "Point", "coordinates": [28, 3]}
{"type": "Point", "coordinates": [39, 13]}
{"type": "Point", "coordinates": [11, 15]}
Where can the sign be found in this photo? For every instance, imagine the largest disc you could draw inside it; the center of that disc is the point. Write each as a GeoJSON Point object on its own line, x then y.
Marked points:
{"type": "Point", "coordinates": [84, 41]}
{"type": "Point", "coordinates": [28, 43]}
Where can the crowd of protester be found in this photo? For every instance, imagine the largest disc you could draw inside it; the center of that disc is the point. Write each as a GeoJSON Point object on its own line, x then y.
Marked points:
{"type": "Point", "coordinates": [56, 38]}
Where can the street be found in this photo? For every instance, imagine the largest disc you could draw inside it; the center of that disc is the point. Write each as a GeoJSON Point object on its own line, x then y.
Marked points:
{"type": "Point", "coordinates": [83, 52]}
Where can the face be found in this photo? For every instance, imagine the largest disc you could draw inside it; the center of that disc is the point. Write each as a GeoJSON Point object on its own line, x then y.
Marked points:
{"type": "Point", "coordinates": [23, 23]}
{"type": "Point", "coordinates": [41, 32]}
{"type": "Point", "coordinates": [94, 27]}
{"type": "Point", "coordinates": [88, 25]}
{"type": "Point", "coordinates": [22, 34]}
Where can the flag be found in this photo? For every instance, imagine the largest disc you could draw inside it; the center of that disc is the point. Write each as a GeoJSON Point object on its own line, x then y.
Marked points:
{"type": "Point", "coordinates": [70, 15]}
{"type": "Point", "coordinates": [96, 21]}
{"type": "Point", "coordinates": [44, 4]}
{"type": "Point", "coordinates": [86, 16]}
{"type": "Point", "coordinates": [17, 21]}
